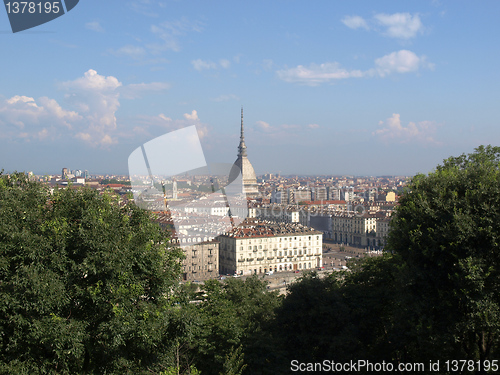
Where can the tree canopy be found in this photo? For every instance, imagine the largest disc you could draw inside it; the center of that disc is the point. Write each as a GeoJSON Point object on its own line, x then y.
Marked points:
{"type": "Point", "coordinates": [434, 294]}
{"type": "Point", "coordinates": [85, 284]}
{"type": "Point", "coordinates": [446, 235]}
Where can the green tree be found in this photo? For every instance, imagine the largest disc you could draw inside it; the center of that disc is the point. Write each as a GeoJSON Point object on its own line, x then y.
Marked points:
{"type": "Point", "coordinates": [234, 364]}
{"type": "Point", "coordinates": [86, 285]}
{"type": "Point", "coordinates": [236, 313]}
{"type": "Point", "coordinates": [446, 235]}
{"type": "Point", "coordinates": [311, 316]}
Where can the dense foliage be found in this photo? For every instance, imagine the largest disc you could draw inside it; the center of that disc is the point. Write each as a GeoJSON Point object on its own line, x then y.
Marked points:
{"type": "Point", "coordinates": [446, 235]}
{"type": "Point", "coordinates": [85, 285]}
{"type": "Point", "coordinates": [88, 286]}
{"type": "Point", "coordinates": [435, 294]}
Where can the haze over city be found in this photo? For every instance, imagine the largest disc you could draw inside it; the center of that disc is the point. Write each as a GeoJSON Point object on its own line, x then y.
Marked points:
{"type": "Point", "coordinates": [330, 88]}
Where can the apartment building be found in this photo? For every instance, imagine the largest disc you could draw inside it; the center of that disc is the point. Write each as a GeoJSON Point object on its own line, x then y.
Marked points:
{"type": "Point", "coordinates": [257, 247]}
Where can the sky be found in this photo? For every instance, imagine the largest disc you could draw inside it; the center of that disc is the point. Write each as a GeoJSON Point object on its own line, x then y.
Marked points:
{"type": "Point", "coordinates": [327, 87]}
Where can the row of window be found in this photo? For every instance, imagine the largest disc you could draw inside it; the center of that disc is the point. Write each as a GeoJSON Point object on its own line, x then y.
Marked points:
{"type": "Point", "coordinates": [260, 246]}
{"type": "Point", "coordinates": [285, 253]}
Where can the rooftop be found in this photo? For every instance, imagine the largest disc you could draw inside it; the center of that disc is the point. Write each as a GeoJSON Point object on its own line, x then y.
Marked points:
{"type": "Point", "coordinates": [251, 228]}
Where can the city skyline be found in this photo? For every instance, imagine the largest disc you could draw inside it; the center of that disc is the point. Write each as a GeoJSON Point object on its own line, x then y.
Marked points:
{"type": "Point", "coordinates": [328, 88]}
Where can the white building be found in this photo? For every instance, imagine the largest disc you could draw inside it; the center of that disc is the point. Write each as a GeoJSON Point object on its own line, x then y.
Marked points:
{"type": "Point", "coordinates": [258, 247]}
{"type": "Point", "coordinates": [353, 229]}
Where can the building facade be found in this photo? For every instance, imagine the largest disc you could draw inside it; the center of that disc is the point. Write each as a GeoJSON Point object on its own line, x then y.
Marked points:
{"type": "Point", "coordinates": [356, 230]}
{"type": "Point", "coordinates": [258, 247]}
{"type": "Point", "coordinates": [201, 261]}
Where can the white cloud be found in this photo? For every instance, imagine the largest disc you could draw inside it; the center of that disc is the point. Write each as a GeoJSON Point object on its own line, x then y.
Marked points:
{"type": "Point", "coordinates": [146, 7]}
{"type": "Point", "coordinates": [94, 26]}
{"type": "Point", "coordinates": [200, 65]}
{"type": "Point", "coordinates": [355, 22]}
{"type": "Point", "coordinates": [23, 116]}
{"type": "Point", "coordinates": [97, 98]}
{"type": "Point", "coordinates": [225, 63]}
{"type": "Point", "coordinates": [193, 116]}
{"type": "Point", "coordinates": [169, 33]}
{"type": "Point", "coordinates": [403, 61]}
{"type": "Point", "coordinates": [93, 82]}
{"type": "Point", "coordinates": [313, 126]}
{"type": "Point", "coordinates": [264, 125]}
{"type": "Point", "coordinates": [400, 25]}
{"type": "Point", "coordinates": [134, 52]}
{"type": "Point", "coordinates": [316, 74]}
{"type": "Point", "coordinates": [162, 121]}
{"type": "Point", "coordinates": [392, 131]}
{"type": "Point", "coordinates": [53, 109]}
{"type": "Point", "coordinates": [397, 25]}
{"type": "Point", "coordinates": [163, 117]}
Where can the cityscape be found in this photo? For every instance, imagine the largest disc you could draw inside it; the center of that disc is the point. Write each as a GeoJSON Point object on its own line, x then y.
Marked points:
{"type": "Point", "coordinates": [288, 218]}
{"type": "Point", "coordinates": [249, 188]}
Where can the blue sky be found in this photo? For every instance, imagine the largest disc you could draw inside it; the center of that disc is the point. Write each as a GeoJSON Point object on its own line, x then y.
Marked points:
{"type": "Point", "coordinates": [328, 87]}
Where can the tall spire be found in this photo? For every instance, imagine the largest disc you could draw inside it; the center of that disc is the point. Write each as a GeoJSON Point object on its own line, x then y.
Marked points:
{"type": "Point", "coordinates": [242, 148]}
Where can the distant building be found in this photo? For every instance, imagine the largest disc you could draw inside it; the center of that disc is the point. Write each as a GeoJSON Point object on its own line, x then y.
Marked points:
{"type": "Point", "coordinates": [333, 194]}
{"type": "Point", "coordinates": [322, 223]}
{"type": "Point", "coordinates": [354, 229]}
{"type": "Point", "coordinates": [256, 247]}
{"type": "Point", "coordinates": [201, 262]}
{"type": "Point", "coordinates": [297, 195]}
{"type": "Point", "coordinates": [279, 213]}
{"type": "Point", "coordinates": [279, 196]}
{"type": "Point", "coordinates": [382, 230]}
{"type": "Point", "coordinates": [320, 193]}
{"type": "Point", "coordinates": [348, 194]}
{"type": "Point", "coordinates": [390, 197]}
{"type": "Point", "coordinates": [202, 252]}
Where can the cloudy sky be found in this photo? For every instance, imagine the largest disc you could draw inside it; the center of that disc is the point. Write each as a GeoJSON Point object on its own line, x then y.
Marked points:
{"type": "Point", "coordinates": [328, 87]}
